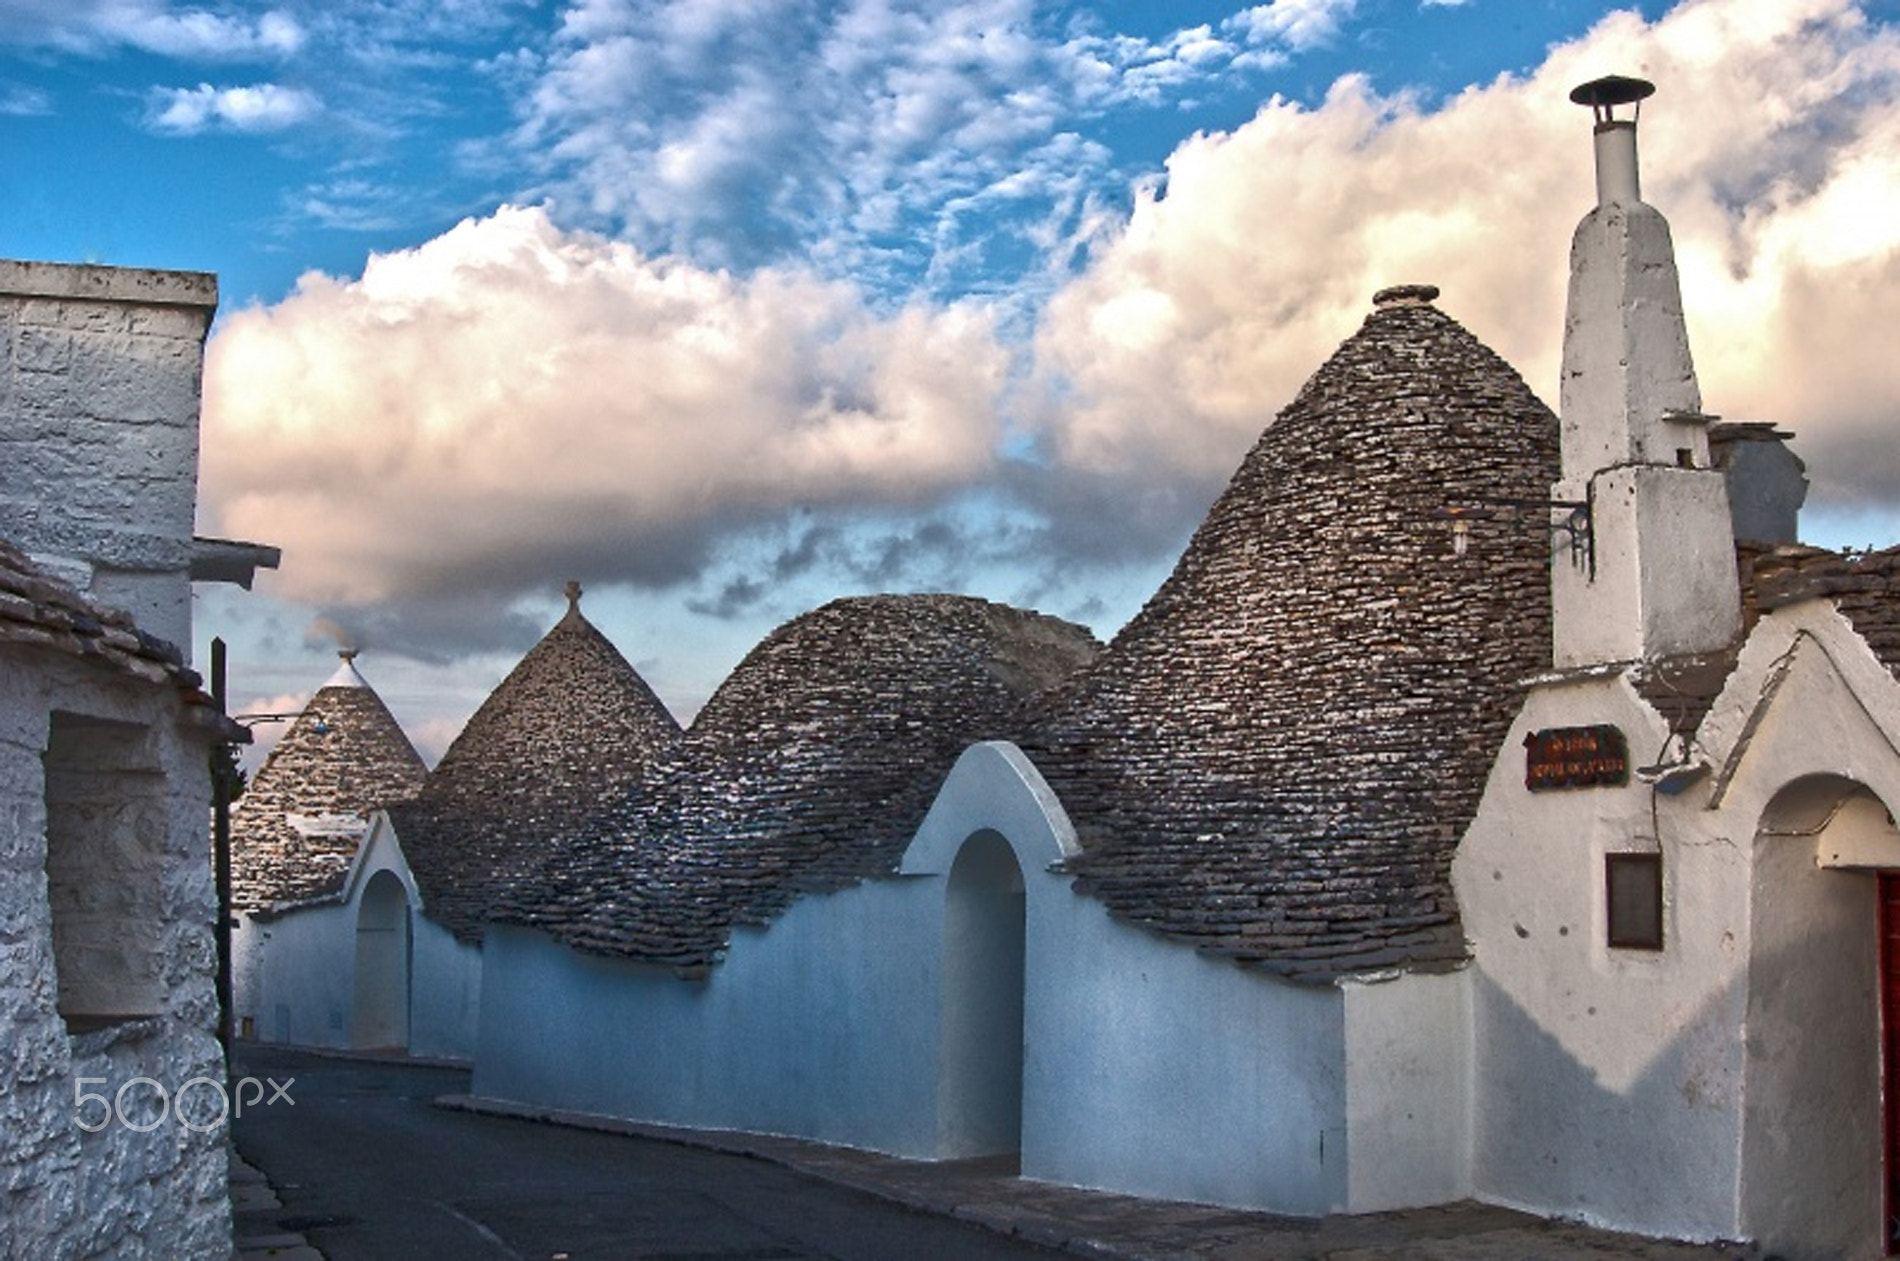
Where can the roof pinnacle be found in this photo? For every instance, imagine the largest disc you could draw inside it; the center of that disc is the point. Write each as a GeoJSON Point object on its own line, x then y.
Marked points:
{"type": "Point", "coordinates": [573, 597]}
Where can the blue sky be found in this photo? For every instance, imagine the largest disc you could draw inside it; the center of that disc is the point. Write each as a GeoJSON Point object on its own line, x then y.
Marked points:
{"type": "Point", "coordinates": [727, 307]}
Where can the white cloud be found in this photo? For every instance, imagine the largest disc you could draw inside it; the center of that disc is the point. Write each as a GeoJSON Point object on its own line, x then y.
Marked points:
{"type": "Point", "coordinates": [262, 107]}
{"type": "Point", "coordinates": [737, 135]}
{"type": "Point", "coordinates": [478, 412]}
{"type": "Point", "coordinates": [1299, 24]}
{"type": "Point", "coordinates": [1771, 145]}
{"type": "Point", "coordinates": [151, 26]}
{"type": "Point", "coordinates": [19, 101]}
{"type": "Point", "coordinates": [515, 402]}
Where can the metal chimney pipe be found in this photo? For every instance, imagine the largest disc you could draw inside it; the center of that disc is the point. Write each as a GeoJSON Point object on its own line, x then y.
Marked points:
{"type": "Point", "coordinates": [1617, 181]}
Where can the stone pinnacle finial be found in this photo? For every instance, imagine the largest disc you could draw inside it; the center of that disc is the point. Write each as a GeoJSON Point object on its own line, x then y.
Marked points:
{"type": "Point", "coordinates": [348, 654]}
{"type": "Point", "coordinates": [1405, 295]}
{"type": "Point", "coordinates": [573, 596]}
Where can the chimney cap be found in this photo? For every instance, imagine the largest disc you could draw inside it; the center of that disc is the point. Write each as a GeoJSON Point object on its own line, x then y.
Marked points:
{"type": "Point", "coordinates": [1611, 89]}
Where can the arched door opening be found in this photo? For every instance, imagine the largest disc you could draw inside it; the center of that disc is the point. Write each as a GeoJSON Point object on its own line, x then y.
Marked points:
{"type": "Point", "coordinates": [981, 1088]}
{"type": "Point", "coordinates": [1821, 1148]}
{"type": "Point", "coordinates": [380, 1016]}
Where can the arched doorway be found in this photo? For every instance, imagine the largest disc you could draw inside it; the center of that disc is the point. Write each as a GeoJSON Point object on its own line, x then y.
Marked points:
{"type": "Point", "coordinates": [1821, 1143]}
{"type": "Point", "coordinates": [980, 1096]}
{"type": "Point", "coordinates": [381, 1008]}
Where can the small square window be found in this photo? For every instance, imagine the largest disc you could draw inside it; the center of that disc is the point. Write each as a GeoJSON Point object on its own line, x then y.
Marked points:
{"type": "Point", "coordinates": [1633, 893]}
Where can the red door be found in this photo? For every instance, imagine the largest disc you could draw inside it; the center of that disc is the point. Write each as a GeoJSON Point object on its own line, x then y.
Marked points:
{"type": "Point", "coordinates": [1890, 1047]}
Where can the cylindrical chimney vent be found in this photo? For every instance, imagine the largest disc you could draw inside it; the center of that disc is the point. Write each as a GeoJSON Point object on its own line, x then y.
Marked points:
{"type": "Point", "coordinates": [1615, 137]}
{"type": "Point", "coordinates": [1616, 163]}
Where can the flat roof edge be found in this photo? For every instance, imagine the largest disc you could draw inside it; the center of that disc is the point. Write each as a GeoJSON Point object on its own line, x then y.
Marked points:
{"type": "Point", "coordinates": [95, 283]}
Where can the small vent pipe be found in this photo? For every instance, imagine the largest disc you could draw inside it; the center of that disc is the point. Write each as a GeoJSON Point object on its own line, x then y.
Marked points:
{"type": "Point", "coordinates": [1617, 181]}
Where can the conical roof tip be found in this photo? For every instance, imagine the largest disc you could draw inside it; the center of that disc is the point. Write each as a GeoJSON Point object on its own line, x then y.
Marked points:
{"type": "Point", "coordinates": [346, 674]}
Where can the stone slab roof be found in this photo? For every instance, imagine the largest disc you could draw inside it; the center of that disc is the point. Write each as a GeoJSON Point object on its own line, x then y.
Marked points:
{"type": "Point", "coordinates": [571, 731]}
{"type": "Point", "coordinates": [1276, 758]}
{"type": "Point", "coordinates": [299, 824]}
{"type": "Point", "coordinates": [1864, 586]}
{"type": "Point", "coordinates": [40, 610]}
{"type": "Point", "coordinates": [808, 770]}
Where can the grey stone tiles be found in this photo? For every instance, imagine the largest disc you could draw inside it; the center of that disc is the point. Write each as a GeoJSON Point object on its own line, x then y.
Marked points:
{"type": "Point", "coordinates": [807, 771]}
{"type": "Point", "coordinates": [298, 825]}
{"type": "Point", "coordinates": [569, 733]}
{"type": "Point", "coordinates": [1277, 756]}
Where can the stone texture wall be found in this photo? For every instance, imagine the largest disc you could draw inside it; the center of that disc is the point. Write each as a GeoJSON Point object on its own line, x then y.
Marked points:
{"type": "Point", "coordinates": [99, 390]}
{"type": "Point", "coordinates": [65, 1191]}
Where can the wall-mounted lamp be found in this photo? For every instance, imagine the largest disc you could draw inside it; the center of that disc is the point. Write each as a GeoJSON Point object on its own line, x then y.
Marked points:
{"type": "Point", "coordinates": [1670, 778]}
{"type": "Point", "coordinates": [1576, 523]}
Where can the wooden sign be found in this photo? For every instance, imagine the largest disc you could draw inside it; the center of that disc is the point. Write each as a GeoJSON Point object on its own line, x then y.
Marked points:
{"type": "Point", "coordinates": [1576, 757]}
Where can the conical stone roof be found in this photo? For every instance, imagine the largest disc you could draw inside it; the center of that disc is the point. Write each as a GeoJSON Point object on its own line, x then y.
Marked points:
{"type": "Point", "coordinates": [808, 770]}
{"type": "Point", "coordinates": [570, 731]}
{"type": "Point", "coordinates": [298, 825]}
{"type": "Point", "coordinates": [1276, 758]}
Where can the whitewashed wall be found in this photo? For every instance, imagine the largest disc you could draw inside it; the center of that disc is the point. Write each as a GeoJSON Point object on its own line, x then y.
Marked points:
{"type": "Point", "coordinates": [1628, 1087]}
{"type": "Point", "coordinates": [1147, 1067]}
{"type": "Point", "coordinates": [65, 1191]}
{"type": "Point", "coordinates": [294, 973]}
{"type": "Point", "coordinates": [1408, 1090]}
{"type": "Point", "coordinates": [820, 1027]}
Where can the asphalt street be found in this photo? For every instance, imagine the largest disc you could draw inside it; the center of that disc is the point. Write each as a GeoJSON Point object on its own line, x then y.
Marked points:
{"type": "Point", "coordinates": [367, 1167]}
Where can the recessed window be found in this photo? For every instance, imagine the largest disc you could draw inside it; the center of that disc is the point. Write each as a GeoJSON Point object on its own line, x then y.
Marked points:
{"type": "Point", "coordinates": [1633, 893]}
{"type": "Point", "coordinates": [106, 824]}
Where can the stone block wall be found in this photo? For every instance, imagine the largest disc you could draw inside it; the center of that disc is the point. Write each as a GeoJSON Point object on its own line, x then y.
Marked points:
{"type": "Point", "coordinates": [146, 1182]}
{"type": "Point", "coordinates": [99, 394]}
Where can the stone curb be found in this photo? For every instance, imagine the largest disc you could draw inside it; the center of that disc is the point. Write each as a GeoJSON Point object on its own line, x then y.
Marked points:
{"type": "Point", "coordinates": [1104, 1224]}
{"type": "Point", "coordinates": [254, 1208]}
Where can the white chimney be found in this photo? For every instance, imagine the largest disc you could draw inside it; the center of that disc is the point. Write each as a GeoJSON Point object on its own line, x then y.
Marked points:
{"type": "Point", "coordinates": [1660, 579]}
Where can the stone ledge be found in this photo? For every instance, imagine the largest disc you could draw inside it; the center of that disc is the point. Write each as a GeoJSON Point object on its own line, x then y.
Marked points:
{"type": "Point", "coordinates": [92, 283]}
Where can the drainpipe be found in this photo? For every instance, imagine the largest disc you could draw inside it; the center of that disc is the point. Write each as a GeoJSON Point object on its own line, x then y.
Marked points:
{"type": "Point", "coordinates": [222, 758]}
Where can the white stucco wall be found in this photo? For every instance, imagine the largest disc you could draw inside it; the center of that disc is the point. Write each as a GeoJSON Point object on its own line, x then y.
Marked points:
{"type": "Point", "coordinates": [294, 973]}
{"type": "Point", "coordinates": [821, 1027]}
{"type": "Point", "coordinates": [1147, 1067]}
{"type": "Point", "coordinates": [1809, 715]}
{"type": "Point", "coordinates": [1607, 1083]}
{"type": "Point", "coordinates": [1408, 1090]}
{"type": "Point", "coordinates": [1651, 1091]}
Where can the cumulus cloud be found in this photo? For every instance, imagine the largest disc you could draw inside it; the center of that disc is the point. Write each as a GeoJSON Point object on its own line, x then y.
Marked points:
{"type": "Point", "coordinates": [512, 403]}
{"type": "Point", "coordinates": [518, 401]}
{"type": "Point", "coordinates": [252, 110]}
{"type": "Point", "coordinates": [150, 26]}
{"type": "Point", "coordinates": [1772, 146]}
